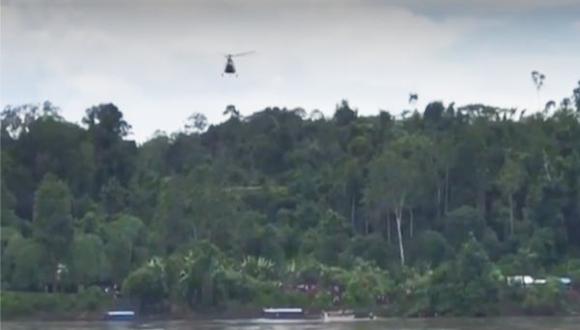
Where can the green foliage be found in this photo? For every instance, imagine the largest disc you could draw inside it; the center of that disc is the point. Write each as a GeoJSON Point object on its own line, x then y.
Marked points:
{"type": "Point", "coordinates": [24, 264]}
{"type": "Point", "coordinates": [430, 247]}
{"type": "Point", "coordinates": [344, 114]}
{"type": "Point", "coordinates": [477, 279]}
{"type": "Point", "coordinates": [90, 223]}
{"type": "Point", "coordinates": [326, 241]}
{"type": "Point", "coordinates": [544, 299]}
{"type": "Point", "coordinates": [89, 263]}
{"type": "Point", "coordinates": [8, 234]}
{"type": "Point", "coordinates": [259, 268]}
{"type": "Point", "coordinates": [53, 224]}
{"type": "Point", "coordinates": [250, 210]}
{"type": "Point", "coordinates": [148, 283]}
{"type": "Point", "coordinates": [542, 247]}
{"type": "Point", "coordinates": [469, 285]}
{"type": "Point", "coordinates": [434, 112]}
{"type": "Point", "coordinates": [202, 276]}
{"type": "Point", "coordinates": [365, 283]}
{"type": "Point", "coordinates": [8, 216]}
{"type": "Point", "coordinates": [113, 197]}
{"type": "Point", "coordinates": [460, 222]}
{"type": "Point", "coordinates": [16, 305]}
{"type": "Point", "coordinates": [125, 245]}
{"type": "Point", "coordinates": [373, 248]}
{"type": "Point", "coordinates": [571, 269]}
{"type": "Point", "coordinates": [93, 298]}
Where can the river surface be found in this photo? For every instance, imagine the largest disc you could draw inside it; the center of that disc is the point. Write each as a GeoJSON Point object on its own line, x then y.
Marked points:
{"type": "Point", "coordinates": [516, 323]}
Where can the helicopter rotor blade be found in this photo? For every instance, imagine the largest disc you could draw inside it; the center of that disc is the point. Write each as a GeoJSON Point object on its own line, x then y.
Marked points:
{"type": "Point", "coordinates": [242, 54]}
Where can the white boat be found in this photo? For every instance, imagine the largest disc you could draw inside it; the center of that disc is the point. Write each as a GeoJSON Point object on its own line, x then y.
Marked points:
{"type": "Point", "coordinates": [345, 316]}
{"type": "Point", "coordinates": [283, 313]}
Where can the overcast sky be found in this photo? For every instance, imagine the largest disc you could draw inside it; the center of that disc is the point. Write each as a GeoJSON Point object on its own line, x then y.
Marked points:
{"type": "Point", "coordinates": [160, 61]}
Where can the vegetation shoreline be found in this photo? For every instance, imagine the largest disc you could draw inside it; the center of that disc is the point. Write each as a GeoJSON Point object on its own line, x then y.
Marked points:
{"type": "Point", "coordinates": [430, 213]}
{"type": "Point", "coordinates": [232, 315]}
{"type": "Point", "coordinates": [177, 313]}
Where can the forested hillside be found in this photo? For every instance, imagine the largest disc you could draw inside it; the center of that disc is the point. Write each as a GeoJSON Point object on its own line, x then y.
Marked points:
{"type": "Point", "coordinates": [429, 210]}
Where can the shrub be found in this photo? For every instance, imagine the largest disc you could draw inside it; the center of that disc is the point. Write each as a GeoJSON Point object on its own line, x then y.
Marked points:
{"type": "Point", "coordinates": [544, 299]}
{"type": "Point", "coordinates": [92, 298]}
{"type": "Point", "coordinates": [25, 304]}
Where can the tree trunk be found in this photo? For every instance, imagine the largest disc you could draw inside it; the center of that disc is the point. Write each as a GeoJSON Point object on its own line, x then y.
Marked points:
{"type": "Point", "coordinates": [55, 283]}
{"type": "Point", "coordinates": [411, 223]}
{"type": "Point", "coordinates": [438, 210]}
{"type": "Point", "coordinates": [511, 200]}
{"type": "Point", "coordinates": [366, 226]}
{"type": "Point", "coordinates": [446, 199]}
{"type": "Point", "coordinates": [54, 278]}
{"type": "Point", "coordinates": [399, 215]}
{"type": "Point", "coordinates": [481, 199]}
{"type": "Point", "coordinates": [389, 228]}
{"type": "Point", "coordinates": [547, 166]}
{"type": "Point", "coordinates": [352, 214]}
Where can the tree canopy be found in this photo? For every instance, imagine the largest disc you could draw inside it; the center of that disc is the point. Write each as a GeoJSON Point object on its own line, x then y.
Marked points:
{"type": "Point", "coordinates": [238, 210]}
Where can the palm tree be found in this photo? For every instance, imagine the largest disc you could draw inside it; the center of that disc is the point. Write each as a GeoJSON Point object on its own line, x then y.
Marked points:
{"type": "Point", "coordinates": [232, 111]}
{"type": "Point", "coordinates": [549, 105]}
{"type": "Point", "coordinates": [200, 278]}
{"type": "Point", "coordinates": [413, 98]}
{"type": "Point", "coordinates": [538, 79]}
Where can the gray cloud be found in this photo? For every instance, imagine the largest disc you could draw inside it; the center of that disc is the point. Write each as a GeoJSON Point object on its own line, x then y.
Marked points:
{"type": "Point", "coordinates": [161, 60]}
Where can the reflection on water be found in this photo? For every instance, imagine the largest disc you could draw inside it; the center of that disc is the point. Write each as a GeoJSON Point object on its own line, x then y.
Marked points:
{"type": "Point", "coordinates": [519, 323]}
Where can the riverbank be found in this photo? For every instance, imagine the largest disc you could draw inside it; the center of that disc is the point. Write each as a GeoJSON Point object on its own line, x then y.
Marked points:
{"type": "Point", "coordinates": [86, 305]}
{"type": "Point", "coordinates": [91, 306]}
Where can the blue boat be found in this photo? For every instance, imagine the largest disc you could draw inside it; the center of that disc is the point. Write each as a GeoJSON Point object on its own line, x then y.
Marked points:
{"type": "Point", "coordinates": [121, 315]}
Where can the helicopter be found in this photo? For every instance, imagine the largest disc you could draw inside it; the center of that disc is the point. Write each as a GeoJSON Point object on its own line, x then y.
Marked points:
{"type": "Point", "coordinates": [230, 68]}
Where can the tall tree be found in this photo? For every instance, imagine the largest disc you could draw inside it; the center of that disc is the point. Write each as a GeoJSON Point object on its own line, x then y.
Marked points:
{"type": "Point", "coordinates": [576, 96]}
{"type": "Point", "coordinates": [113, 156]}
{"type": "Point", "coordinates": [232, 112]}
{"type": "Point", "coordinates": [53, 224]}
{"type": "Point", "coordinates": [394, 178]}
{"type": "Point", "coordinates": [24, 264]}
{"type": "Point", "coordinates": [344, 114]}
{"type": "Point", "coordinates": [510, 179]}
{"type": "Point", "coordinates": [88, 261]}
{"type": "Point", "coordinates": [126, 245]}
{"type": "Point", "coordinates": [538, 80]}
{"type": "Point", "coordinates": [197, 122]}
